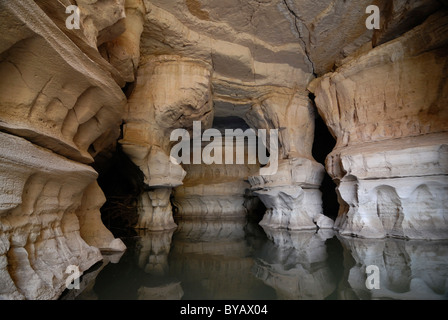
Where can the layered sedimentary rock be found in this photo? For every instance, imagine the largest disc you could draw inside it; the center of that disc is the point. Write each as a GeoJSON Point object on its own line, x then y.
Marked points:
{"type": "Point", "coordinates": [219, 190]}
{"type": "Point", "coordinates": [216, 191]}
{"type": "Point", "coordinates": [123, 52]}
{"type": "Point", "coordinates": [295, 264]}
{"type": "Point", "coordinates": [290, 193]}
{"type": "Point", "coordinates": [40, 230]}
{"type": "Point", "coordinates": [74, 107]}
{"type": "Point", "coordinates": [382, 93]}
{"type": "Point", "coordinates": [170, 92]}
{"type": "Point", "coordinates": [387, 109]}
{"type": "Point", "coordinates": [91, 226]}
{"type": "Point", "coordinates": [259, 76]}
{"type": "Point", "coordinates": [394, 269]}
{"type": "Point", "coordinates": [60, 105]}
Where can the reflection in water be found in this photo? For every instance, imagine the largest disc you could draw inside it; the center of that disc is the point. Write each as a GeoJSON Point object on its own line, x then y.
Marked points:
{"type": "Point", "coordinates": [408, 269]}
{"type": "Point", "coordinates": [213, 261]}
{"type": "Point", "coordinates": [295, 264]}
{"type": "Point", "coordinates": [153, 250]}
{"type": "Point", "coordinates": [240, 260]}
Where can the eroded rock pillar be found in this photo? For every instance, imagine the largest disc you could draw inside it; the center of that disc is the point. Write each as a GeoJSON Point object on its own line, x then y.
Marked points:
{"type": "Point", "coordinates": [387, 109]}
{"type": "Point", "coordinates": [291, 195]}
{"type": "Point", "coordinates": [171, 92]}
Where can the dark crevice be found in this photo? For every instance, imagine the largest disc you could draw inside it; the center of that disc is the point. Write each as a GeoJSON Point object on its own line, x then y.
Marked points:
{"type": "Point", "coordinates": [322, 146]}
{"type": "Point", "coordinates": [297, 19]}
{"type": "Point", "coordinates": [122, 183]}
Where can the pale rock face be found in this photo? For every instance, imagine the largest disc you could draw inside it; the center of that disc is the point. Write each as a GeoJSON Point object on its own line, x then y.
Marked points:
{"type": "Point", "coordinates": [399, 191]}
{"type": "Point", "coordinates": [102, 20]}
{"type": "Point", "coordinates": [60, 105]}
{"type": "Point", "coordinates": [74, 107]}
{"type": "Point", "coordinates": [171, 92]}
{"type": "Point", "coordinates": [40, 228]}
{"type": "Point", "coordinates": [308, 275]}
{"type": "Point", "coordinates": [155, 211]}
{"type": "Point", "coordinates": [215, 191]}
{"type": "Point", "coordinates": [387, 110]}
{"type": "Point", "coordinates": [92, 229]}
{"type": "Point", "coordinates": [293, 115]}
{"type": "Point", "coordinates": [404, 269]}
{"type": "Point", "coordinates": [124, 51]}
{"type": "Point", "coordinates": [291, 194]}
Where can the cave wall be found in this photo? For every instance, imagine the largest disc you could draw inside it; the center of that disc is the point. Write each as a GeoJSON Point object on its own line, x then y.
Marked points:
{"type": "Point", "coordinates": [382, 94]}
{"type": "Point", "coordinates": [387, 109]}
{"type": "Point", "coordinates": [59, 107]}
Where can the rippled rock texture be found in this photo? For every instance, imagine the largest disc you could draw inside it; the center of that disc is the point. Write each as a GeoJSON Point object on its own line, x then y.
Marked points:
{"type": "Point", "coordinates": [59, 107]}
{"type": "Point", "coordinates": [135, 70]}
{"type": "Point", "coordinates": [387, 109]}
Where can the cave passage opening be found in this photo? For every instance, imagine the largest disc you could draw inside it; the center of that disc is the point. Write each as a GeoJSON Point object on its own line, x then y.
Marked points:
{"type": "Point", "coordinates": [122, 181]}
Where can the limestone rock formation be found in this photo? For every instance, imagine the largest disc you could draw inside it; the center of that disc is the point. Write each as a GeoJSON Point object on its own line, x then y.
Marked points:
{"type": "Point", "coordinates": [92, 229]}
{"type": "Point", "coordinates": [40, 228]}
{"type": "Point", "coordinates": [136, 70]}
{"type": "Point", "coordinates": [60, 105]}
{"type": "Point", "coordinates": [216, 191]}
{"type": "Point", "coordinates": [123, 52]}
{"type": "Point", "coordinates": [170, 92]}
{"type": "Point", "coordinates": [291, 194]}
{"type": "Point", "coordinates": [154, 209]}
{"type": "Point", "coordinates": [219, 190]}
{"type": "Point", "coordinates": [73, 107]}
{"type": "Point", "coordinates": [387, 110]}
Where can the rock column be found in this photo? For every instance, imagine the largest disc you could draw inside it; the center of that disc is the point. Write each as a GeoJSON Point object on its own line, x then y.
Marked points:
{"type": "Point", "coordinates": [170, 92]}
{"type": "Point", "coordinates": [291, 195]}
{"type": "Point", "coordinates": [387, 109]}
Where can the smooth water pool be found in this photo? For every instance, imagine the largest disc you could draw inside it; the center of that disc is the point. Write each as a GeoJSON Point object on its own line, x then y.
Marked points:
{"type": "Point", "coordinates": [218, 260]}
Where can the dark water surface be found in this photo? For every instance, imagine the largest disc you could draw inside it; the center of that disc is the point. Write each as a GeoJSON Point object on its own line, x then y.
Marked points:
{"type": "Point", "coordinates": [216, 260]}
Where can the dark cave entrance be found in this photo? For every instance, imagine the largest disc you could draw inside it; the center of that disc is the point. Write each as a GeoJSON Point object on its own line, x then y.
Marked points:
{"type": "Point", "coordinates": [122, 183]}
